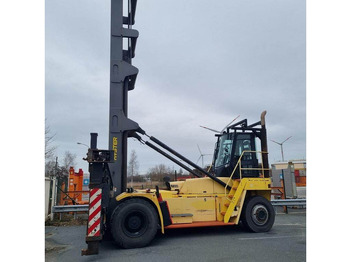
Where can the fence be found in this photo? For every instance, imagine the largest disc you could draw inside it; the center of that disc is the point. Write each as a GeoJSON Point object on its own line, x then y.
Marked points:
{"type": "Point", "coordinates": [289, 202]}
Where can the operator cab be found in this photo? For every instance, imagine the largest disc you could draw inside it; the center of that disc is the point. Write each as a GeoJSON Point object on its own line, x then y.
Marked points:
{"type": "Point", "coordinates": [237, 138]}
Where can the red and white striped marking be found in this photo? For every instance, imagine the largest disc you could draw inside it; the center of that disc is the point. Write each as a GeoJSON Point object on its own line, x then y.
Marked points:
{"type": "Point", "coordinates": [94, 212]}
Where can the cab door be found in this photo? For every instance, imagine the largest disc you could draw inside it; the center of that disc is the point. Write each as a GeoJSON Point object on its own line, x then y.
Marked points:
{"type": "Point", "coordinates": [245, 142]}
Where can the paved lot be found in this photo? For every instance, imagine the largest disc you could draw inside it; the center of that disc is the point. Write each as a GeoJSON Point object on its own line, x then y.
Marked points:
{"type": "Point", "coordinates": [285, 242]}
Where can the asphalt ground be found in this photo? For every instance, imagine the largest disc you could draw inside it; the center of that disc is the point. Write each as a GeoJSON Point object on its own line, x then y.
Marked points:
{"type": "Point", "coordinates": [286, 241]}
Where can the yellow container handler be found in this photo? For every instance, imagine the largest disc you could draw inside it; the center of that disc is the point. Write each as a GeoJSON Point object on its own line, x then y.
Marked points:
{"type": "Point", "coordinates": [237, 188]}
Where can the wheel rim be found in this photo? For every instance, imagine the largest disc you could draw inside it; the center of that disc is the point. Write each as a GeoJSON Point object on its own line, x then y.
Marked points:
{"type": "Point", "coordinates": [135, 223]}
{"type": "Point", "coordinates": [260, 215]}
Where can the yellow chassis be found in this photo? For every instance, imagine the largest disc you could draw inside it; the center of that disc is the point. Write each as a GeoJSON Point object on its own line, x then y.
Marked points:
{"type": "Point", "coordinates": [203, 202]}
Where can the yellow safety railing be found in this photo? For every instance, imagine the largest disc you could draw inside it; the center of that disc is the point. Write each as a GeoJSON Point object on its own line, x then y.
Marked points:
{"type": "Point", "coordinates": [239, 163]}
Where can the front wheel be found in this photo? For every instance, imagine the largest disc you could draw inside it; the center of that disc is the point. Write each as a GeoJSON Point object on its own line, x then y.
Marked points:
{"type": "Point", "coordinates": [258, 214]}
{"type": "Point", "coordinates": [134, 223]}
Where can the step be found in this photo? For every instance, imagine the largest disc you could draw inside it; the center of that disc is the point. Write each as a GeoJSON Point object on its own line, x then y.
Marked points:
{"type": "Point", "coordinates": [234, 213]}
{"type": "Point", "coordinates": [228, 204]}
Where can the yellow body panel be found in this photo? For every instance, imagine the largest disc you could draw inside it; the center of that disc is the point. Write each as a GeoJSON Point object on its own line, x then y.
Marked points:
{"type": "Point", "coordinates": [204, 200]}
{"type": "Point", "coordinates": [203, 185]}
{"type": "Point", "coordinates": [182, 219]}
{"type": "Point", "coordinates": [201, 208]}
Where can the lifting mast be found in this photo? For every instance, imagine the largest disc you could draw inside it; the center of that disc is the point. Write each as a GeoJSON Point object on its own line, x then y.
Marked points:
{"type": "Point", "coordinates": [108, 168]}
{"type": "Point", "coordinates": [122, 79]}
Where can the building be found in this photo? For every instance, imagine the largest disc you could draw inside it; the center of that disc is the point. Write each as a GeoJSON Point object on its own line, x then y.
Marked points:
{"type": "Point", "coordinates": [294, 173]}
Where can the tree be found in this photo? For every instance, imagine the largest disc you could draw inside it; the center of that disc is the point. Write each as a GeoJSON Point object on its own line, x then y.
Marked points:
{"type": "Point", "coordinates": [158, 172]}
{"type": "Point", "coordinates": [49, 148]}
{"type": "Point", "coordinates": [137, 178]}
{"type": "Point", "coordinates": [68, 161]}
{"type": "Point", "coordinates": [50, 168]}
{"type": "Point", "coordinates": [61, 171]}
{"type": "Point", "coordinates": [133, 166]}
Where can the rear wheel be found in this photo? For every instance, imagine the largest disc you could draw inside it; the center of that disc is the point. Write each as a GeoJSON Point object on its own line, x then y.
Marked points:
{"type": "Point", "coordinates": [134, 223]}
{"type": "Point", "coordinates": [258, 214]}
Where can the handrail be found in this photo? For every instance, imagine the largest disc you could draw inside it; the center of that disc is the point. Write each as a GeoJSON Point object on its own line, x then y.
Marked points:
{"type": "Point", "coordinates": [244, 168]}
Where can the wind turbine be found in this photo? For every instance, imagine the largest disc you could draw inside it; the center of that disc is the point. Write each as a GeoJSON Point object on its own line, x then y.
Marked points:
{"type": "Point", "coordinates": [222, 131]}
{"type": "Point", "coordinates": [201, 156]}
{"type": "Point", "coordinates": [281, 144]}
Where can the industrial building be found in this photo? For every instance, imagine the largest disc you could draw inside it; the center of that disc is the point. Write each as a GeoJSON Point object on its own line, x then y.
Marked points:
{"type": "Point", "coordinates": [294, 174]}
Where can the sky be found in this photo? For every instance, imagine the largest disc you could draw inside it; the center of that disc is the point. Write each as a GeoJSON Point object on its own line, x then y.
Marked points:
{"type": "Point", "coordinates": [250, 47]}
{"type": "Point", "coordinates": [198, 65]}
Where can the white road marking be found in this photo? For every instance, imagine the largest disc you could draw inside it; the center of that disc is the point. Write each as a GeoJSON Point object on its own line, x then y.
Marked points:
{"type": "Point", "coordinates": [302, 212]}
{"type": "Point", "coordinates": [289, 224]}
{"type": "Point", "coordinates": [258, 238]}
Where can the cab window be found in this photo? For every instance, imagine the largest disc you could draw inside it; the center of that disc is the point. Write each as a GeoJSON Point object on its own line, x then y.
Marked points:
{"type": "Point", "coordinates": [243, 143]}
{"type": "Point", "coordinates": [225, 149]}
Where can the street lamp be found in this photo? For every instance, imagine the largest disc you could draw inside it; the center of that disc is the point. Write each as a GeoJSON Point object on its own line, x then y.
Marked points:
{"type": "Point", "coordinates": [281, 144]}
{"type": "Point", "coordinates": [83, 144]}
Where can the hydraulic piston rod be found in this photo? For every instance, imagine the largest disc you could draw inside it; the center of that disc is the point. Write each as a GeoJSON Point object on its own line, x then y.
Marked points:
{"type": "Point", "coordinates": [171, 158]}
{"type": "Point", "coordinates": [187, 161]}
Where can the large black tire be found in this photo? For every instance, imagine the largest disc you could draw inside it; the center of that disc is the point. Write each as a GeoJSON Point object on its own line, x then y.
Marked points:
{"type": "Point", "coordinates": [134, 223]}
{"type": "Point", "coordinates": [258, 214]}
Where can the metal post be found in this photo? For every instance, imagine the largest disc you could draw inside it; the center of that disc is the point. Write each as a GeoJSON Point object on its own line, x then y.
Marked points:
{"type": "Point", "coordinates": [53, 197]}
{"type": "Point", "coordinates": [132, 178]}
{"type": "Point", "coordinates": [294, 188]}
{"type": "Point", "coordinates": [284, 187]}
{"type": "Point", "coordinates": [284, 192]}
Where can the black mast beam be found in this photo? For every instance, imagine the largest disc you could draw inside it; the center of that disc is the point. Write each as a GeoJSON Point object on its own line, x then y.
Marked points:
{"type": "Point", "coordinates": [122, 79]}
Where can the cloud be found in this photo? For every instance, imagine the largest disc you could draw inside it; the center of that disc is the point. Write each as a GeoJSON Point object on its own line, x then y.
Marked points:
{"type": "Point", "coordinates": [199, 65]}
